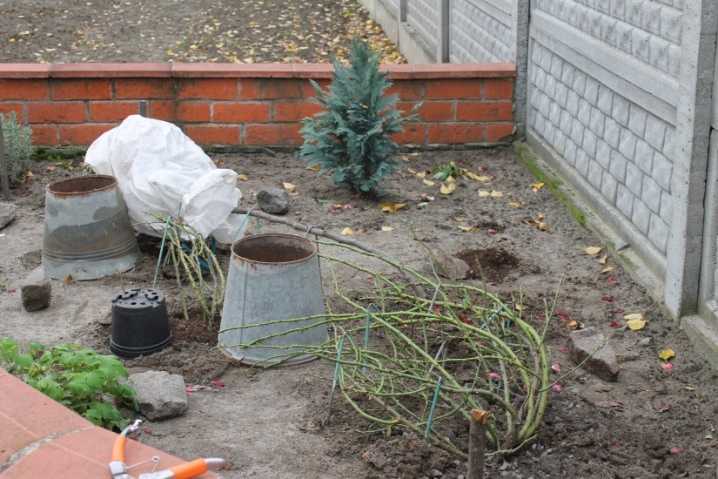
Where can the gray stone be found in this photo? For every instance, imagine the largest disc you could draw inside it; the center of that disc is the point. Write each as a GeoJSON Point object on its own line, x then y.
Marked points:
{"type": "Point", "coordinates": [7, 214]}
{"type": "Point", "coordinates": [451, 267]}
{"type": "Point", "coordinates": [591, 346]}
{"type": "Point", "coordinates": [274, 201]}
{"type": "Point", "coordinates": [160, 395]}
{"type": "Point", "coordinates": [36, 291]}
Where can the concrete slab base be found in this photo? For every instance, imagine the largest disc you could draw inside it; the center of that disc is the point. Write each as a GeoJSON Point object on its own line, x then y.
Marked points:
{"type": "Point", "coordinates": [704, 337]}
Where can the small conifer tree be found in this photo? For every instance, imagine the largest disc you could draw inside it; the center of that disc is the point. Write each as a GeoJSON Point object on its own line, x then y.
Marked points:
{"type": "Point", "coordinates": [352, 136]}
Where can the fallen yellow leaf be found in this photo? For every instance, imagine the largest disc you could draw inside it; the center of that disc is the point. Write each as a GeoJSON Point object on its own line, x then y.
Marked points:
{"type": "Point", "coordinates": [468, 229]}
{"type": "Point", "coordinates": [633, 316]}
{"type": "Point", "coordinates": [636, 324]}
{"type": "Point", "coordinates": [603, 260]}
{"type": "Point", "coordinates": [243, 177]}
{"type": "Point", "coordinates": [607, 269]}
{"type": "Point", "coordinates": [473, 176]}
{"type": "Point", "coordinates": [429, 183]}
{"type": "Point", "coordinates": [347, 232]}
{"type": "Point", "coordinates": [667, 354]}
{"type": "Point", "coordinates": [535, 187]}
{"type": "Point", "coordinates": [316, 168]}
{"type": "Point", "coordinates": [515, 204]}
{"type": "Point", "coordinates": [391, 207]}
{"type": "Point", "coordinates": [593, 250]}
{"type": "Point", "coordinates": [291, 188]}
{"type": "Point", "coordinates": [492, 194]}
{"type": "Point", "coordinates": [448, 187]}
{"type": "Point", "coordinates": [421, 175]}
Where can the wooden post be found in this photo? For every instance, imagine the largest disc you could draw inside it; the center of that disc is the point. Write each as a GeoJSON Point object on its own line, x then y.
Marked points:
{"type": "Point", "coordinates": [4, 167]}
{"type": "Point", "coordinates": [477, 443]}
{"type": "Point", "coordinates": [443, 54]}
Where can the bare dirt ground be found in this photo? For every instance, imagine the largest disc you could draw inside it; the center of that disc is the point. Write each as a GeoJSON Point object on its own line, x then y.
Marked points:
{"type": "Point", "coordinates": [246, 31]}
{"type": "Point", "coordinates": [650, 424]}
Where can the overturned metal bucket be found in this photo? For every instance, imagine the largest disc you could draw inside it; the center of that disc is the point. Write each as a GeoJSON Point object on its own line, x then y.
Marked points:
{"type": "Point", "coordinates": [272, 278]}
{"type": "Point", "coordinates": [88, 234]}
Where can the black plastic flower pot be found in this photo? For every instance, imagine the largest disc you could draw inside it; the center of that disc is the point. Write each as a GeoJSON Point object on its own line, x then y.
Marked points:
{"type": "Point", "coordinates": [140, 324]}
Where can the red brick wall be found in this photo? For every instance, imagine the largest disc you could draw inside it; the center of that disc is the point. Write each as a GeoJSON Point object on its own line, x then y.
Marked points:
{"type": "Point", "coordinates": [252, 105]}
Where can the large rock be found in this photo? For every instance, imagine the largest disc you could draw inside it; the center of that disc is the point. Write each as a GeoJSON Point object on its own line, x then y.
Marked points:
{"type": "Point", "coordinates": [36, 291]}
{"type": "Point", "coordinates": [7, 214]}
{"type": "Point", "coordinates": [451, 267]}
{"type": "Point", "coordinates": [600, 359]}
{"type": "Point", "coordinates": [160, 395]}
{"type": "Point", "coordinates": [274, 201]}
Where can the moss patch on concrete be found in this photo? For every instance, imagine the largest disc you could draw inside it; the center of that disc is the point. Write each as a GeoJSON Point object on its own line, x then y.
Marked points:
{"type": "Point", "coordinates": [529, 161]}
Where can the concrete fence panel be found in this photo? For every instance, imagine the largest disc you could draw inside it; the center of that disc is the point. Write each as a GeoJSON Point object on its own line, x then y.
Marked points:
{"type": "Point", "coordinates": [602, 105]}
{"type": "Point", "coordinates": [482, 31]}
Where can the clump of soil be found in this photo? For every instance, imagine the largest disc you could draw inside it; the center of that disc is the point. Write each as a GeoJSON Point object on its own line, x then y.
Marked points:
{"type": "Point", "coordinates": [489, 264]}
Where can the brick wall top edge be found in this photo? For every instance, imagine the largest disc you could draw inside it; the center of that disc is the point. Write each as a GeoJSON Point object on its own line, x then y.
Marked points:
{"type": "Point", "coordinates": [229, 70]}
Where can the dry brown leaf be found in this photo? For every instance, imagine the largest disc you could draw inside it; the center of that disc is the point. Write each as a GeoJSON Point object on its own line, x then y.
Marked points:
{"type": "Point", "coordinates": [473, 176]}
{"type": "Point", "coordinates": [391, 207]}
{"type": "Point", "coordinates": [593, 250]}
{"type": "Point", "coordinates": [428, 182]}
{"type": "Point", "coordinates": [447, 187]}
{"type": "Point", "coordinates": [635, 321]}
{"type": "Point", "coordinates": [290, 187]}
{"type": "Point", "coordinates": [603, 260]}
{"type": "Point", "coordinates": [243, 177]}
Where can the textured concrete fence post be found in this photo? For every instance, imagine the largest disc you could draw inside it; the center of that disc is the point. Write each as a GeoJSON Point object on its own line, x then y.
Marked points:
{"type": "Point", "coordinates": [520, 17]}
{"type": "Point", "coordinates": [444, 43]}
{"type": "Point", "coordinates": [695, 108]}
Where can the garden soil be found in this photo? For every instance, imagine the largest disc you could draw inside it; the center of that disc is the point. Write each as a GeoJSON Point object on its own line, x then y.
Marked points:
{"type": "Point", "coordinates": [249, 31]}
{"type": "Point", "coordinates": [652, 423]}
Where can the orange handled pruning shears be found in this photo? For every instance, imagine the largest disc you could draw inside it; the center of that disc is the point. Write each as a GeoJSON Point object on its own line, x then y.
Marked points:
{"type": "Point", "coordinates": [188, 470]}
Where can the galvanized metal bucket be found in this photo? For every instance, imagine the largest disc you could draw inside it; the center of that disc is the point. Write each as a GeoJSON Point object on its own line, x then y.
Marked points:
{"type": "Point", "coordinates": [272, 278]}
{"type": "Point", "coordinates": [88, 234]}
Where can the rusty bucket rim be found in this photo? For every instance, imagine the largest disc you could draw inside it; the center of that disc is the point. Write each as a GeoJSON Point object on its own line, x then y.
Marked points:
{"type": "Point", "coordinates": [301, 239]}
{"type": "Point", "coordinates": [110, 185]}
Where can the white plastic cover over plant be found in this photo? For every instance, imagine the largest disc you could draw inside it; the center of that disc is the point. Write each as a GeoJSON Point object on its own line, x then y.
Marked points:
{"type": "Point", "coordinates": [162, 172]}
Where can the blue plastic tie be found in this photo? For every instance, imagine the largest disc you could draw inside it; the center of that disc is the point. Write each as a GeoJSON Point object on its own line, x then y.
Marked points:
{"type": "Point", "coordinates": [430, 419]}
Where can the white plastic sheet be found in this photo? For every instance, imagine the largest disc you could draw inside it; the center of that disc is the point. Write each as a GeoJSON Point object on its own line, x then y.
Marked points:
{"type": "Point", "coordinates": [161, 171]}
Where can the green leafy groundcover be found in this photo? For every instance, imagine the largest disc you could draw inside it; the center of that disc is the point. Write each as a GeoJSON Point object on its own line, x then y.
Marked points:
{"type": "Point", "coordinates": [81, 379]}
